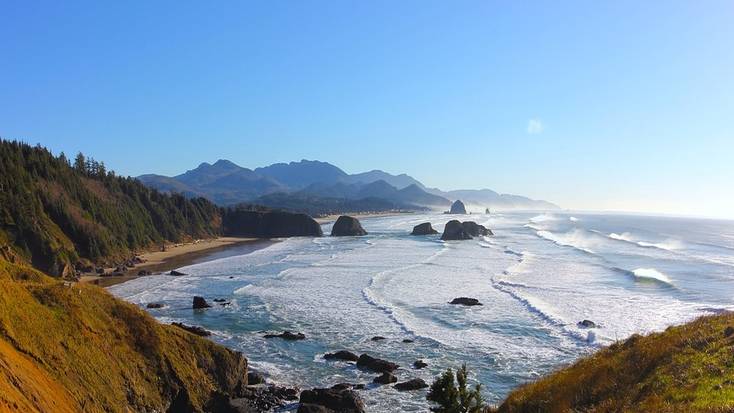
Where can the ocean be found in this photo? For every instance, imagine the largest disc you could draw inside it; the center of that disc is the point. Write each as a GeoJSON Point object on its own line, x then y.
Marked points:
{"type": "Point", "coordinates": [538, 276]}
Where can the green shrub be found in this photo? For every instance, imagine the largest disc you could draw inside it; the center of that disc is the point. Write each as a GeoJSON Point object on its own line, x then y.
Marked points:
{"type": "Point", "coordinates": [451, 394]}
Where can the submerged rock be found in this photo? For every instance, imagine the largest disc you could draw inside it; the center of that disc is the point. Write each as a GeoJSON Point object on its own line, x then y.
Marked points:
{"type": "Point", "coordinates": [200, 302]}
{"type": "Point", "coordinates": [407, 340]}
{"type": "Point", "coordinates": [587, 324]}
{"type": "Point", "coordinates": [419, 364]}
{"type": "Point", "coordinates": [423, 229]}
{"type": "Point", "coordinates": [176, 273]}
{"type": "Point", "coordinates": [347, 226]}
{"type": "Point", "coordinates": [465, 301]}
{"type": "Point", "coordinates": [154, 305]}
{"type": "Point", "coordinates": [287, 335]}
{"type": "Point", "coordinates": [458, 208]}
{"type": "Point", "coordinates": [454, 230]}
{"type": "Point", "coordinates": [415, 384]}
{"type": "Point", "coordinates": [367, 362]}
{"type": "Point", "coordinates": [377, 338]}
{"type": "Point", "coordinates": [331, 400]}
{"type": "Point", "coordinates": [342, 355]}
{"type": "Point", "coordinates": [193, 329]}
{"type": "Point", "coordinates": [385, 378]}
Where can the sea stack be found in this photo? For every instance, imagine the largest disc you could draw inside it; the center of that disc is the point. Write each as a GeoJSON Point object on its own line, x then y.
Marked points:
{"type": "Point", "coordinates": [458, 208]}
{"type": "Point", "coordinates": [423, 229]}
{"type": "Point", "coordinates": [347, 226]}
{"type": "Point", "coordinates": [474, 229]}
{"type": "Point", "coordinates": [454, 230]}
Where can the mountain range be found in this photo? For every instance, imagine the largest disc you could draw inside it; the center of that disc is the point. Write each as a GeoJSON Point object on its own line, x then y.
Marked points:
{"type": "Point", "coordinates": [319, 187]}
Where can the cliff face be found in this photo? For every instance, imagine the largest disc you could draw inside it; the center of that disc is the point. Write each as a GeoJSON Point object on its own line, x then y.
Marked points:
{"type": "Point", "coordinates": [76, 348]}
{"type": "Point", "coordinates": [687, 368]}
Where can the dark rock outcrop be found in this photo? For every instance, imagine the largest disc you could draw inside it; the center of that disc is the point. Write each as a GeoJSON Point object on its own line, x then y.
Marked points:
{"type": "Point", "coordinates": [465, 301]}
{"type": "Point", "coordinates": [408, 340]}
{"type": "Point", "coordinates": [423, 229]}
{"type": "Point", "coordinates": [419, 364]}
{"type": "Point", "coordinates": [287, 335]}
{"type": "Point", "coordinates": [143, 273]}
{"type": "Point", "coordinates": [176, 273]}
{"type": "Point", "coordinates": [343, 355]}
{"type": "Point", "coordinates": [474, 229]}
{"type": "Point", "coordinates": [415, 384]}
{"type": "Point", "coordinates": [587, 324]}
{"type": "Point", "coordinates": [331, 400]}
{"type": "Point", "coordinates": [200, 302]}
{"type": "Point", "coordinates": [259, 398]}
{"type": "Point", "coordinates": [454, 230]}
{"type": "Point", "coordinates": [254, 377]}
{"type": "Point", "coordinates": [241, 222]}
{"type": "Point", "coordinates": [193, 329]}
{"type": "Point", "coordinates": [154, 305]}
{"type": "Point", "coordinates": [385, 378]}
{"type": "Point", "coordinates": [377, 338]}
{"type": "Point", "coordinates": [347, 226]}
{"type": "Point", "coordinates": [367, 362]}
{"type": "Point", "coordinates": [458, 208]}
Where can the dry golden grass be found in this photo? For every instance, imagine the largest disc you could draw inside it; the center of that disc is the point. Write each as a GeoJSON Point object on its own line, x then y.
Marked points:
{"type": "Point", "coordinates": [688, 368]}
{"type": "Point", "coordinates": [106, 355]}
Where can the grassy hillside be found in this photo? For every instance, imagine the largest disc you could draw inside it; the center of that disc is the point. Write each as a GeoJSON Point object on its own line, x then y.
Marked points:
{"type": "Point", "coordinates": [55, 213]}
{"type": "Point", "coordinates": [76, 348]}
{"type": "Point", "coordinates": [685, 368]}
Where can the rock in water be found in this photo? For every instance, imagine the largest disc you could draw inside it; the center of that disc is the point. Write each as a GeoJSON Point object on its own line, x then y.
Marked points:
{"type": "Point", "coordinates": [474, 229]}
{"type": "Point", "coordinates": [342, 355]}
{"type": "Point", "coordinates": [176, 273]}
{"type": "Point", "coordinates": [154, 305]}
{"type": "Point", "coordinates": [331, 400]}
{"type": "Point", "coordinates": [587, 324]}
{"type": "Point", "coordinates": [287, 335]}
{"type": "Point", "coordinates": [415, 384]}
{"type": "Point", "coordinates": [465, 301]}
{"type": "Point", "coordinates": [385, 378]}
{"type": "Point", "coordinates": [347, 226]}
{"type": "Point", "coordinates": [454, 230]}
{"type": "Point", "coordinates": [366, 362]}
{"type": "Point", "coordinates": [458, 208]}
{"type": "Point", "coordinates": [423, 229]}
{"type": "Point", "coordinates": [200, 302]}
{"type": "Point", "coordinates": [419, 364]}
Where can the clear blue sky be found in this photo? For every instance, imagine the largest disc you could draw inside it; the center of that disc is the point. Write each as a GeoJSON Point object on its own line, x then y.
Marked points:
{"type": "Point", "coordinates": [623, 105]}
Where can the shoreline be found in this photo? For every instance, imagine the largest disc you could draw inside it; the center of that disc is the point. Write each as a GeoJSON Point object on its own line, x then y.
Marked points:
{"type": "Point", "coordinates": [333, 217]}
{"type": "Point", "coordinates": [181, 255]}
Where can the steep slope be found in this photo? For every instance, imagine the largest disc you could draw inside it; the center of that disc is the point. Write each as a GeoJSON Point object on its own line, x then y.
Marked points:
{"type": "Point", "coordinates": [75, 347]}
{"type": "Point", "coordinates": [416, 195]}
{"type": "Point", "coordinates": [55, 215]}
{"type": "Point", "coordinates": [398, 181]}
{"type": "Point", "coordinates": [687, 368]}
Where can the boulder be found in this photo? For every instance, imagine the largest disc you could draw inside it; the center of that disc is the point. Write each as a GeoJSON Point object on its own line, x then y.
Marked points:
{"type": "Point", "coordinates": [474, 229]}
{"type": "Point", "coordinates": [419, 364]}
{"type": "Point", "coordinates": [587, 324]}
{"type": "Point", "coordinates": [458, 208]}
{"type": "Point", "coordinates": [343, 355]}
{"type": "Point", "coordinates": [347, 226]}
{"type": "Point", "coordinates": [154, 305]}
{"type": "Point", "coordinates": [193, 329]}
{"type": "Point", "coordinates": [415, 384]}
{"type": "Point", "coordinates": [254, 377]}
{"type": "Point", "coordinates": [366, 362]}
{"type": "Point", "coordinates": [385, 378]}
{"type": "Point", "coordinates": [423, 229]}
{"type": "Point", "coordinates": [200, 302]}
{"type": "Point", "coordinates": [287, 335]}
{"type": "Point", "coordinates": [261, 398]}
{"type": "Point", "coordinates": [176, 273]}
{"type": "Point", "coordinates": [454, 230]}
{"type": "Point", "coordinates": [142, 273]}
{"type": "Point", "coordinates": [465, 301]}
{"type": "Point", "coordinates": [331, 400]}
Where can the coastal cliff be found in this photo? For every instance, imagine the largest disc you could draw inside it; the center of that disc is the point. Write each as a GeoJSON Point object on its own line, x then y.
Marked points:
{"type": "Point", "coordinates": [73, 347]}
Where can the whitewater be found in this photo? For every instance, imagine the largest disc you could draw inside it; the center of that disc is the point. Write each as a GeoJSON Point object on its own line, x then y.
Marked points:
{"type": "Point", "coordinates": [538, 277]}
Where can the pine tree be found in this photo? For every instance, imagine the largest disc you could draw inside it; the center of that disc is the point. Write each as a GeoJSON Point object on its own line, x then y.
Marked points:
{"type": "Point", "coordinates": [453, 398]}
{"type": "Point", "coordinates": [80, 163]}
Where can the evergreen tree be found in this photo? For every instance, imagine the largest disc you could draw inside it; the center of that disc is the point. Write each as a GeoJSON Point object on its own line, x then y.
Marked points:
{"type": "Point", "coordinates": [453, 396]}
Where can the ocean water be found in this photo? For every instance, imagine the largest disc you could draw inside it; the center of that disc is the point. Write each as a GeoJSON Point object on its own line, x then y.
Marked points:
{"type": "Point", "coordinates": [538, 276]}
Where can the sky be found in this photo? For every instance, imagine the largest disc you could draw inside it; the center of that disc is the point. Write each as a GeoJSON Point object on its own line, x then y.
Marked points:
{"type": "Point", "coordinates": [608, 105]}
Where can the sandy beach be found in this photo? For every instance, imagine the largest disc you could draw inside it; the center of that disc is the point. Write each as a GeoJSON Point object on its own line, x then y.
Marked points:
{"type": "Point", "coordinates": [179, 255]}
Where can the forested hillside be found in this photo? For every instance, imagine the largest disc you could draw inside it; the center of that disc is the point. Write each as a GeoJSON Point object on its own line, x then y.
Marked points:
{"type": "Point", "coordinates": [55, 213]}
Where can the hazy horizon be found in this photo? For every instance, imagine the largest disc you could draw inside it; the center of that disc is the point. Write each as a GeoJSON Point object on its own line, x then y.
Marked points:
{"type": "Point", "coordinates": [599, 107]}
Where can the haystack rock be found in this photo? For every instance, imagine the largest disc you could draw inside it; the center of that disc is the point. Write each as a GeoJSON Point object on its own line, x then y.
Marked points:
{"type": "Point", "coordinates": [347, 226]}
{"type": "Point", "coordinates": [454, 230]}
{"type": "Point", "coordinates": [423, 229]}
{"type": "Point", "coordinates": [458, 208]}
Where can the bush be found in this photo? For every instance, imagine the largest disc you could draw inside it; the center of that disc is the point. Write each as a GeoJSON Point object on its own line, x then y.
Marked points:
{"type": "Point", "coordinates": [452, 395]}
